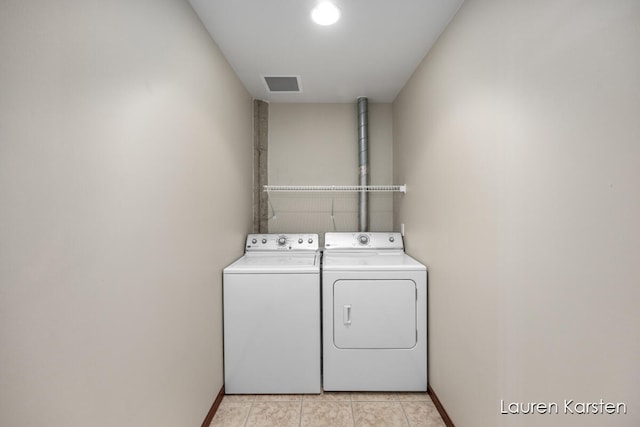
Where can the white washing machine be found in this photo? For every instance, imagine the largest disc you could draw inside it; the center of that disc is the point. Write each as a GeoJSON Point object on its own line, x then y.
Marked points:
{"type": "Point", "coordinates": [271, 299]}
{"type": "Point", "coordinates": [374, 314]}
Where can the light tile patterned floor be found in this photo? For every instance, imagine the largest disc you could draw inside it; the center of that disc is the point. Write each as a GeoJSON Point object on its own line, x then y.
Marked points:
{"type": "Point", "coordinates": [328, 410]}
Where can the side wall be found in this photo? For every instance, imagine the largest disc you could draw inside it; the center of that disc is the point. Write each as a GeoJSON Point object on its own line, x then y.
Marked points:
{"type": "Point", "coordinates": [519, 140]}
{"type": "Point", "coordinates": [317, 144]}
{"type": "Point", "coordinates": [125, 188]}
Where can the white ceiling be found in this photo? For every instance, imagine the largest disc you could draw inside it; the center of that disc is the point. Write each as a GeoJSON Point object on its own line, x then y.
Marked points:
{"type": "Point", "coordinates": [372, 50]}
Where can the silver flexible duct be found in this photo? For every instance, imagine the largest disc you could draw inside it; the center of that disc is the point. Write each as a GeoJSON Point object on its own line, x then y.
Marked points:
{"type": "Point", "coordinates": [363, 143]}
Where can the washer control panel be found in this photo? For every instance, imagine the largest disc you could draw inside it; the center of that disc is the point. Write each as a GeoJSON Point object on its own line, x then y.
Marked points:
{"type": "Point", "coordinates": [363, 240]}
{"type": "Point", "coordinates": [282, 242]}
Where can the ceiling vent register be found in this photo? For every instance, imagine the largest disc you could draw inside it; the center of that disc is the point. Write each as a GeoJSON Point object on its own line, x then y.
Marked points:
{"type": "Point", "coordinates": [280, 84]}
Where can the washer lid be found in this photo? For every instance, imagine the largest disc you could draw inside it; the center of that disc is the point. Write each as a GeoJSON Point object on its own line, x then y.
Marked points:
{"type": "Point", "coordinates": [370, 260]}
{"type": "Point", "coordinates": [282, 262]}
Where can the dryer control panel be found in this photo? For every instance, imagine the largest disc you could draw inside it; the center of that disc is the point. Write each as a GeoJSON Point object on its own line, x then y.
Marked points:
{"type": "Point", "coordinates": [282, 242]}
{"type": "Point", "coordinates": [363, 240]}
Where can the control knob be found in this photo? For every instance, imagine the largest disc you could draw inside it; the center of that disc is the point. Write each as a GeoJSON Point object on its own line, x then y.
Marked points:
{"type": "Point", "coordinates": [264, 241]}
{"type": "Point", "coordinates": [310, 241]}
{"type": "Point", "coordinates": [254, 241]}
{"type": "Point", "coordinates": [282, 241]}
{"type": "Point", "coordinates": [300, 240]}
{"type": "Point", "coordinates": [391, 239]}
{"type": "Point", "coordinates": [364, 239]}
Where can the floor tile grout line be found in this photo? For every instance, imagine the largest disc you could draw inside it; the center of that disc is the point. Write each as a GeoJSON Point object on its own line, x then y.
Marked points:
{"type": "Point", "coordinates": [246, 419]}
{"type": "Point", "coordinates": [353, 415]}
{"type": "Point", "coordinates": [405, 414]}
{"type": "Point", "coordinates": [300, 412]}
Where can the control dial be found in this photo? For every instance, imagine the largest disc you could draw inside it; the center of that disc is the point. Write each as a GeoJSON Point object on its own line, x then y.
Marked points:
{"type": "Point", "coordinates": [363, 239]}
{"type": "Point", "coordinates": [254, 241]}
{"type": "Point", "coordinates": [282, 240]}
{"type": "Point", "coordinates": [300, 240]}
{"type": "Point", "coordinates": [264, 241]}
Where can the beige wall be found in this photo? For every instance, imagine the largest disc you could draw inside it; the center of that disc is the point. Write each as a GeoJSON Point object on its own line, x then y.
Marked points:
{"type": "Point", "coordinates": [125, 188]}
{"type": "Point", "coordinates": [519, 140]}
{"type": "Point", "coordinates": [317, 144]}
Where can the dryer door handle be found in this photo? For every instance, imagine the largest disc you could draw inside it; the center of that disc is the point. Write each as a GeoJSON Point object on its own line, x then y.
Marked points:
{"type": "Point", "coordinates": [346, 314]}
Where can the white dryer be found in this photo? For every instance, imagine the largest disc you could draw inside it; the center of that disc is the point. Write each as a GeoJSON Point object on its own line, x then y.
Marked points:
{"type": "Point", "coordinates": [374, 314]}
{"type": "Point", "coordinates": [271, 299]}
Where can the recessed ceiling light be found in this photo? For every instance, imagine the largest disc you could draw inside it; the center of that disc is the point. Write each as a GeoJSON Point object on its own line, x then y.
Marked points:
{"type": "Point", "coordinates": [326, 13]}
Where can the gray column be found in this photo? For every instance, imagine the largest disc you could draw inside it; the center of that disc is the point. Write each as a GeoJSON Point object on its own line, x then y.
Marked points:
{"type": "Point", "coordinates": [260, 175]}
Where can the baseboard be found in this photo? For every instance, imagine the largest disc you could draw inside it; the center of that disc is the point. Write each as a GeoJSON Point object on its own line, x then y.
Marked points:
{"type": "Point", "coordinates": [439, 407]}
{"type": "Point", "coordinates": [214, 408]}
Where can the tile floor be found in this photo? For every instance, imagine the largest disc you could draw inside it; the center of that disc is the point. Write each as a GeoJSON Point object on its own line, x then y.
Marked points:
{"type": "Point", "coordinates": [328, 410]}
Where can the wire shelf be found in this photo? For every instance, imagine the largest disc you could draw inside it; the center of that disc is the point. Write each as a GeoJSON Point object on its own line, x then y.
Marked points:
{"type": "Point", "coordinates": [336, 188]}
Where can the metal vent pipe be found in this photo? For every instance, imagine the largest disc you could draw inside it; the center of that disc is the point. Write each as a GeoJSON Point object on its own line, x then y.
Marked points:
{"type": "Point", "coordinates": [363, 144]}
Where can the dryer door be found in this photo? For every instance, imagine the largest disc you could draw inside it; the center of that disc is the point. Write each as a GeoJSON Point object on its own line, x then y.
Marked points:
{"type": "Point", "coordinates": [374, 314]}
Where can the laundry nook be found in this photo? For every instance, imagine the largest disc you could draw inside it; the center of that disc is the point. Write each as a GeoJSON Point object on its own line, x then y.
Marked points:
{"type": "Point", "coordinates": [299, 213]}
